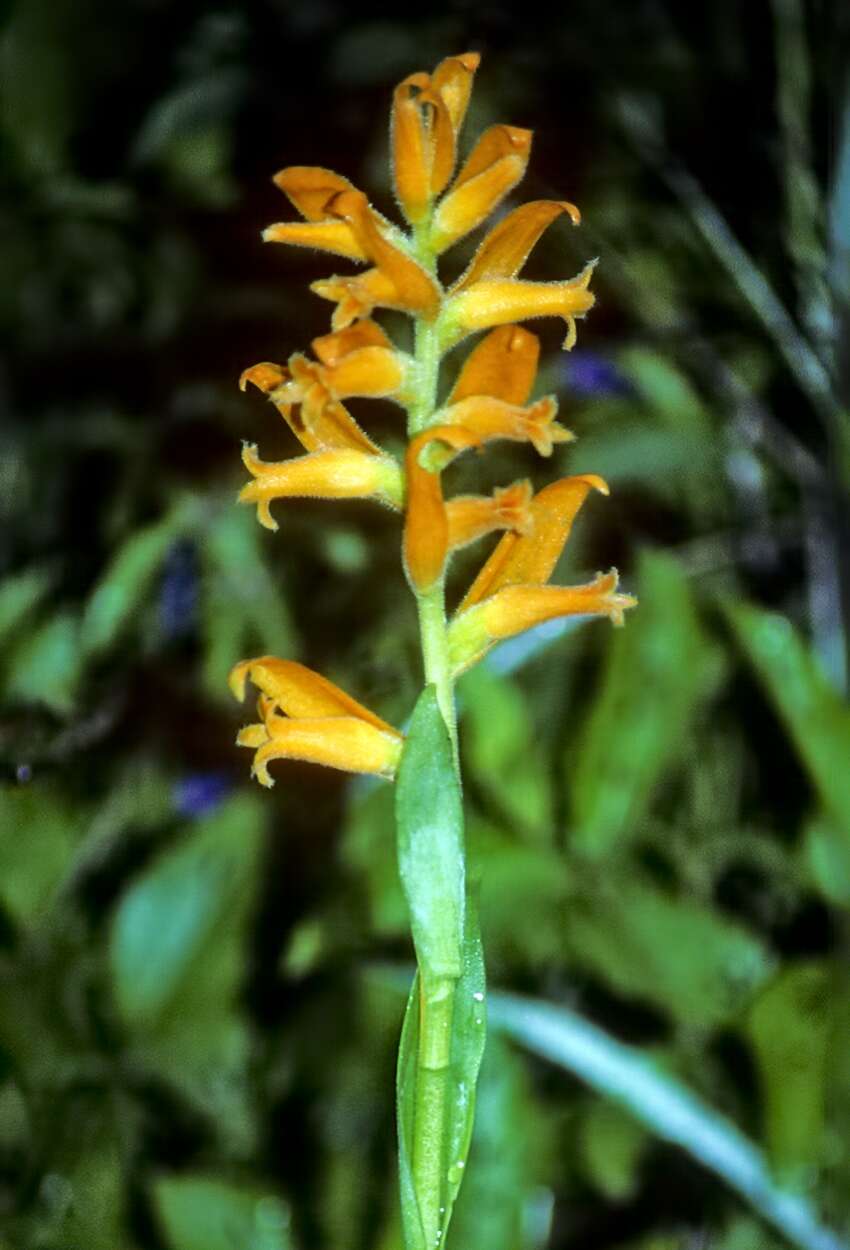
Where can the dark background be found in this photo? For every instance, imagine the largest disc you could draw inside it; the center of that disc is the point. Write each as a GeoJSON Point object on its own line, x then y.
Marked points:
{"type": "Point", "coordinates": [196, 1042]}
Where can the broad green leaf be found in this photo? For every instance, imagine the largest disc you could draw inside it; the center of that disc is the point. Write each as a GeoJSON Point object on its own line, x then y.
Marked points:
{"type": "Point", "coordinates": [429, 818]}
{"type": "Point", "coordinates": [45, 665]}
{"type": "Point", "coordinates": [814, 715]}
{"type": "Point", "coordinates": [501, 752]}
{"type": "Point", "coordinates": [124, 586]}
{"type": "Point", "coordinates": [791, 1026]}
{"type": "Point", "coordinates": [167, 918]}
{"type": "Point", "coordinates": [659, 670]}
{"type": "Point", "coordinates": [665, 1105]}
{"type": "Point", "coordinates": [204, 1213]}
{"type": "Point", "coordinates": [456, 1083]}
{"type": "Point", "coordinates": [684, 957]}
{"type": "Point", "coordinates": [243, 610]}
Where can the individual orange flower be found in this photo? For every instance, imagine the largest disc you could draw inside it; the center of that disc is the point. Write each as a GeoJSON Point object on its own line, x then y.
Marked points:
{"type": "Point", "coordinates": [426, 524]}
{"type": "Point", "coordinates": [491, 418]}
{"type": "Point", "coordinates": [509, 595]}
{"type": "Point", "coordinates": [306, 717]}
{"type": "Point", "coordinates": [472, 516]}
{"type": "Point", "coordinates": [340, 474]}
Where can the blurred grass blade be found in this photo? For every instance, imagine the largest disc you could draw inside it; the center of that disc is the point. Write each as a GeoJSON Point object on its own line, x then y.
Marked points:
{"type": "Point", "coordinates": [19, 595]}
{"type": "Point", "coordinates": [665, 1105]}
{"type": "Point", "coordinates": [816, 718]}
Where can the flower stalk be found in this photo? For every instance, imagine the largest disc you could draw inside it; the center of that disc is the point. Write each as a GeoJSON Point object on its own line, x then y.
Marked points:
{"type": "Point", "coordinates": [302, 715]}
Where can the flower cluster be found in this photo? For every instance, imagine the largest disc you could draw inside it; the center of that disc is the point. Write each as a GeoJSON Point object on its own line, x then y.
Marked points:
{"type": "Point", "coordinates": [301, 714]}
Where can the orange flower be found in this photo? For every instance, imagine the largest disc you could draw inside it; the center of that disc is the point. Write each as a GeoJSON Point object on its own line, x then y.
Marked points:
{"type": "Point", "coordinates": [304, 716]}
{"type": "Point", "coordinates": [493, 418]}
{"type": "Point", "coordinates": [428, 111]}
{"type": "Point", "coordinates": [426, 524]}
{"type": "Point", "coordinates": [473, 516]}
{"type": "Point", "coordinates": [341, 474]}
{"type": "Point", "coordinates": [503, 364]}
{"type": "Point", "coordinates": [495, 301]}
{"type": "Point", "coordinates": [509, 594]}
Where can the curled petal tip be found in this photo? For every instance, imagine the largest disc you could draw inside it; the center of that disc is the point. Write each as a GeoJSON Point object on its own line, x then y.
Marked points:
{"type": "Point", "coordinates": [265, 376]}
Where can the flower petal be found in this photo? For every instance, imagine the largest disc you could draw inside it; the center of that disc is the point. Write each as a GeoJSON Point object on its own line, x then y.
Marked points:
{"type": "Point", "coordinates": [323, 418]}
{"type": "Point", "coordinates": [416, 290]}
{"type": "Point", "coordinates": [493, 418]}
{"type": "Point", "coordinates": [496, 301]}
{"type": "Point", "coordinates": [452, 80]}
{"type": "Point", "coordinates": [472, 516]}
{"type": "Point", "coordinates": [310, 188]}
{"type": "Point", "coordinates": [503, 364]}
{"type": "Point", "coordinates": [356, 296]}
{"type": "Point", "coordinates": [299, 691]}
{"type": "Point", "coordinates": [531, 558]}
{"type": "Point", "coordinates": [344, 474]}
{"type": "Point", "coordinates": [378, 372]}
{"type": "Point", "coordinates": [342, 742]}
{"type": "Point", "coordinates": [494, 167]}
{"type": "Point", "coordinates": [409, 143]}
{"type": "Point", "coordinates": [426, 525]}
{"type": "Point", "coordinates": [514, 609]}
{"type": "Point", "coordinates": [505, 249]}
{"type": "Point", "coordinates": [326, 236]}
{"type": "Point", "coordinates": [331, 348]}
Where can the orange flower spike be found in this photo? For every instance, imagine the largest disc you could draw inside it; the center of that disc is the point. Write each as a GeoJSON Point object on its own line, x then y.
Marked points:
{"type": "Point", "coordinates": [416, 291]}
{"type": "Point", "coordinates": [426, 525]}
{"type": "Point", "coordinates": [472, 516]}
{"type": "Point", "coordinates": [505, 249]}
{"type": "Point", "coordinates": [342, 474]}
{"type": "Point", "coordinates": [310, 189]}
{"type": "Point", "coordinates": [514, 609]}
{"type": "Point", "coordinates": [497, 301]}
{"type": "Point", "coordinates": [493, 418]}
{"type": "Point", "coordinates": [495, 165]}
{"type": "Point", "coordinates": [503, 364]}
{"type": "Point", "coordinates": [531, 559]}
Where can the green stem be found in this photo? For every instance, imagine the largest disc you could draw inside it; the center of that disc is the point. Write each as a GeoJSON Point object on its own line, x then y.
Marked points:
{"type": "Point", "coordinates": [437, 995]}
{"type": "Point", "coordinates": [436, 1008]}
{"type": "Point", "coordinates": [435, 654]}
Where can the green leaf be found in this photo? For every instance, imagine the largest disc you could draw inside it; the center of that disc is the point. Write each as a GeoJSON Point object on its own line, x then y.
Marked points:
{"type": "Point", "coordinates": [665, 1105]}
{"type": "Point", "coordinates": [684, 957]}
{"type": "Point", "coordinates": [815, 716]}
{"type": "Point", "coordinates": [203, 1213]}
{"type": "Point", "coordinates": [166, 919]}
{"type": "Point", "coordinates": [429, 818]}
{"type": "Point", "coordinates": [458, 1084]}
{"type": "Point", "coordinates": [791, 1027]}
{"type": "Point", "coordinates": [46, 665]}
{"type": "Point", "coordinates": [501, 751]}
{"type": "Point", "coordinates": [38, 833]}
{"type": "Point", "coordinates": [19, 595]}
{"type": "Point", "coordinates": [124, 586]}
{"type": "Point", "coordinates": [660, 668]}
{"type": "Point", "coordinates": [612, 1144]}
{"type": "Point", "coordinates": [243, 610]}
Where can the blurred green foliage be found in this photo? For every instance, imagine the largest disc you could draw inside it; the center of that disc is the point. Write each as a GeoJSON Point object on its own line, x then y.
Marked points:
{"type": "Point", "coordinates": [199, 983]}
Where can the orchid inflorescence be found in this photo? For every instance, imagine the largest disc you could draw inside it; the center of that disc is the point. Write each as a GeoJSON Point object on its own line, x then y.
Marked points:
{"type": "Point", "coordinates": [302, 715]}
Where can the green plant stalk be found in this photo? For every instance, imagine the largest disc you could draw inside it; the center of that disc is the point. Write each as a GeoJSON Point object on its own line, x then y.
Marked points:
{"type": "Point", "coordinates": [437, 994]}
